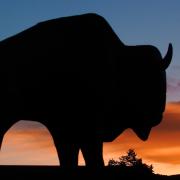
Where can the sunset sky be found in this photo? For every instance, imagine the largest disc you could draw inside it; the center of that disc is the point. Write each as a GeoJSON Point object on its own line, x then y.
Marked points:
{"type": "Point", "coordinates": [135, 22]}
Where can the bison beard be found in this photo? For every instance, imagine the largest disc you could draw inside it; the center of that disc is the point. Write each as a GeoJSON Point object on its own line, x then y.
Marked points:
{"type": "Point", "coordinates": [74, 75]}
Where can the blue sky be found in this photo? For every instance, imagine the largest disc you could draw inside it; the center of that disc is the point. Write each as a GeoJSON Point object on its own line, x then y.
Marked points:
{"type": "Point", "coordinates": [153, 22]}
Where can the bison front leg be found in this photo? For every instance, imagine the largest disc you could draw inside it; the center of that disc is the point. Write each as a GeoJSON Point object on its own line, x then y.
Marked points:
{"type": "Point", "coordinates": [67, 153]}
{"type": "Point", "coordinates": [93, 154]}
{"type": "Point", "coordinates": [66, 150]}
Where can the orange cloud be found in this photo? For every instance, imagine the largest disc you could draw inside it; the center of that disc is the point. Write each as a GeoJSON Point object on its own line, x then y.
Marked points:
{"type": "Point", "coordinates": [28, 143]}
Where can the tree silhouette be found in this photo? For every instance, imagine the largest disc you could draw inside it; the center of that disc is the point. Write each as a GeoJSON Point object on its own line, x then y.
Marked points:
{"type": "Point", "coordinates": [131, 161]}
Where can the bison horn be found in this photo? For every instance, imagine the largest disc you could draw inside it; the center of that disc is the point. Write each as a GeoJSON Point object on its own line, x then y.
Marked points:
{"type": "Point", "coordinates": [168, 57]}
{"type": "Point", "coordinates": [142, 132]}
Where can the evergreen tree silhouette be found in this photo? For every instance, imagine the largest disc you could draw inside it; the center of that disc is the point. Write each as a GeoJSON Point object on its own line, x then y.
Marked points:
{"type": "Point", "coordinates": [130, 161]}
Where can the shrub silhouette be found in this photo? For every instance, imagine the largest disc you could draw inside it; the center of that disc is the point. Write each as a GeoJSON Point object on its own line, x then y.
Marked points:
{"type": "Point", "coordinates": [131, 162]}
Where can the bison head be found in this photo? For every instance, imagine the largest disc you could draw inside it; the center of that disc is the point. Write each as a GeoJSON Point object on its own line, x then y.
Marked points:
{"type": "Point", "coordinates": [149, 94]}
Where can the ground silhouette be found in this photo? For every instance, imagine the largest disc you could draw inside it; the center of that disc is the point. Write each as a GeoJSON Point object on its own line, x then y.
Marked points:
{"type": "Point", "coordinates": [75, 76]}
{"type": "Point", "coordinates": [56, 172]}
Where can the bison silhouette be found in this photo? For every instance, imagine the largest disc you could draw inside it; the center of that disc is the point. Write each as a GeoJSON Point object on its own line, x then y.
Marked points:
{"type": "Point", "coordinates": [75, 76]}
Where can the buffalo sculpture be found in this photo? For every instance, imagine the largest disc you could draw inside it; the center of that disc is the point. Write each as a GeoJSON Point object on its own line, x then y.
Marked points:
{"type": "Point", "coordinates": [75, 76]}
